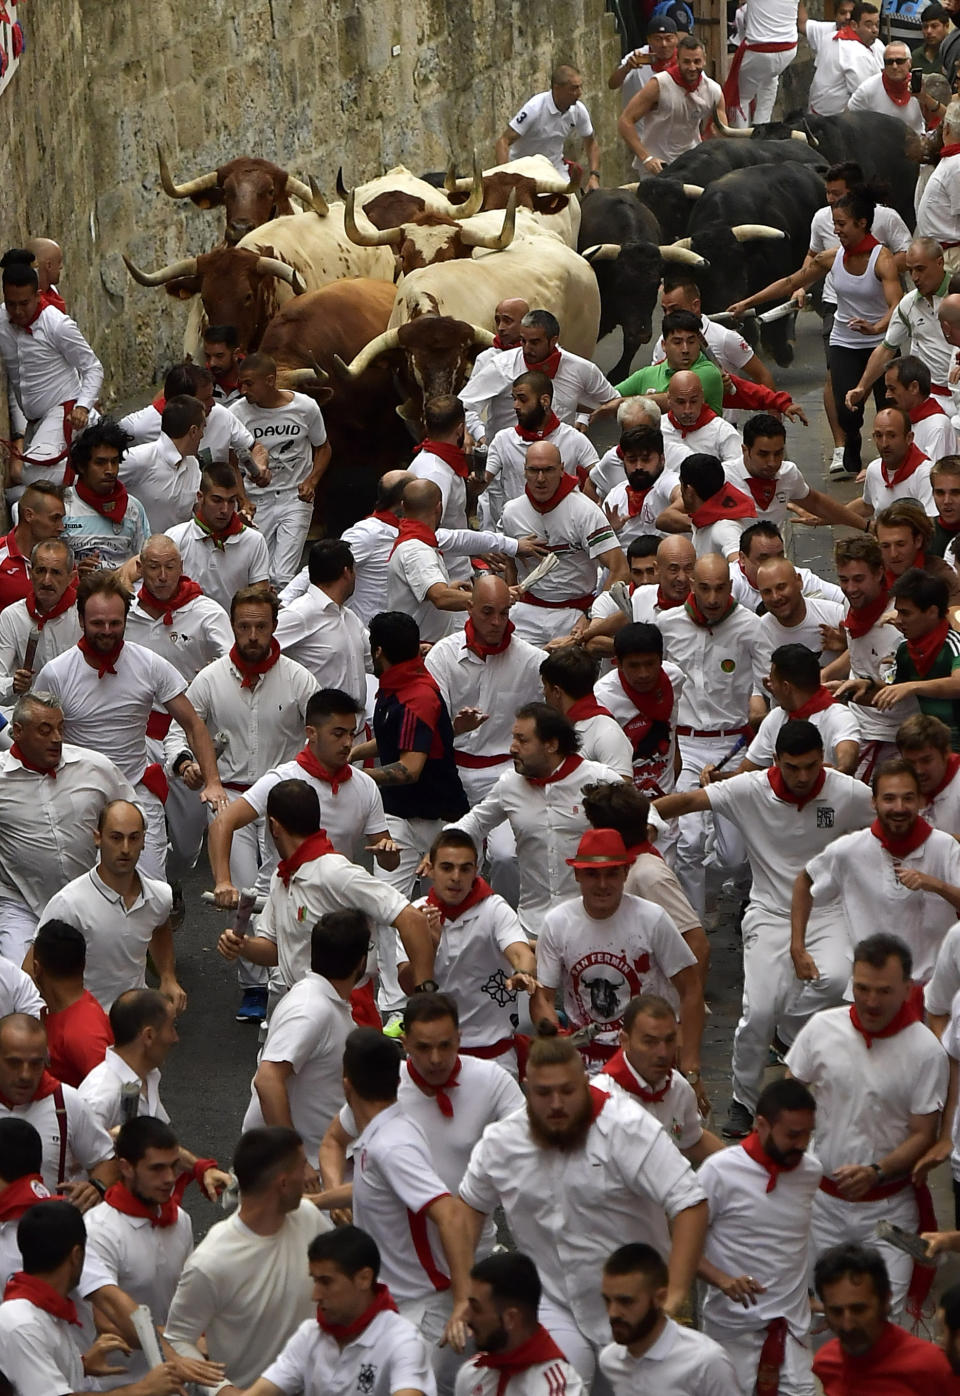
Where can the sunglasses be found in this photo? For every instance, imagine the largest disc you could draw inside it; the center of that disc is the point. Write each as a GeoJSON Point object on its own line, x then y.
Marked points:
{"type": "Point", "coordinates": [891, 62]}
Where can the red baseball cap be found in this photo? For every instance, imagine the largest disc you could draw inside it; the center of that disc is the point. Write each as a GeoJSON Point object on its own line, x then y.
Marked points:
{"type": "Point", "coordinates": [601, 848]}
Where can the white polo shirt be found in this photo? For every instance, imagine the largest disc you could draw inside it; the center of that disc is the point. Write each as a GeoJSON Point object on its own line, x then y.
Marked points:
{"type": "Point", "coordinates": [414, 568]}
{"type": "Point", "coordinates": [878, 494]}
{"type": "Point", "coordinates": [934, 435]}
{"type": "Point", "coordinates": [720, 666]}
{"type": "Point", "coordinates": [47, 826]}
{"type": "Point", "coordinates": [576, 531]}
{"type": "Point", "coordinates": [807, 632]}
{"type": "Point", "coordinates": [350, 817]}
{"type": "Point", "coordinates": [717, 437]}
{"type": "Point", "coordinates": [165, 482]}
{"type": "Point", "coordinates": [16, 628]}
{"type": "Point", "coordinates": [243, 560]}
{"type": "Point", "coordinates": [88, 1143]}
{"type": "Point", "coordinates": [874, 656]}
{"type": "Point", "coordinates": [288, 434]}
{"type": "Point", "coordinates": [41, 1355]}
{"type": "Point", "coordinates": [865, 1096]}
{"type": "Point", "coordinates": [111, 714]}
{"type": "Point", "coordinates": [568, 1209]}
{"type": "Point", "coordinates": [835, 724]}
{"type": "Point", "coordinates": [542, 128]}
{"type": "Point", "coordinates": [681, 1362]}
{"type": "Point", "coordinates": [308, 1029]}
{"type": "Point", "coordinates": [576, 382]}
{"type": "Point", "coordinates": [116, 1093]}
{"type": "Point", "coordinates": [224, 432]}
{"type": "Point", "coordinates": [678, 1111]}
{"type": "Point", "coordinates": [791, 488]}
{"type": "Point", "coordinates": [508, 456]}
{"type": "Point", "coordinates": [198, 634]}
{"type": "Point", "coordinates": [656, 499]}
{"type": "Point", "coordinates": [327, 639]}
{"type": "Point", "coordinates": [388, 1356]}
{"type": "Point", "coordinates": [841, 66]}
{"type": "Point", "coordinates": [653, 753]}
{"type": "Point", "coordinates": [118, 936]}
{"type": "Point", "coordinates": [871, 95]}
{"type": "Point", "coordinates": [748, 595]}
{"type": "Point", "coordinates": [602, 739]}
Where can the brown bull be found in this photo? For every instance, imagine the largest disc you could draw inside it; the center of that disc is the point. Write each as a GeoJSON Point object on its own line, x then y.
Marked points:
{"type": "Point", "coordinates": [251, 190]}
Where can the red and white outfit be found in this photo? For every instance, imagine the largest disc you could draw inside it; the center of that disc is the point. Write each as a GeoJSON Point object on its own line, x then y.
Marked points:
{"type": "Point", "coordinates": [747, 594]}
{"type": "Point", "coordinates": [710, 435]}
{"type": "Point", "coordinates": [576, 382]}
{"type": "Point", "coordinates": [56, 630]}
{"type": "Point", "coordinates": [942, 808]}
{"type": "Point", "coordinates": [640, 509]}
{"type": "Point", "coordinates": [773, 634]}
{"type": "Point", "coordinates": [672, 1101]}
{"type": "Point", "coordinates": [447, 466]}
{"type": "Point", "coordinates": [222, 563]}
{"type": "Point", "coordinates": [535, 1368]}
{"type": "Point", "coordinates": [937, 210]}
{"type": "Point", "coordinates": [770, 496]}
{"type": "Point", "coordinates": [911, 480]}
{"type": "Point", "coordinates": [74, 1142]}
{"type": "Point", "coordinates": [649, 721]}
{"type": "Point", "coordinates": [890, 99]}
{"type": "Point", "coordinates": [833, 721]}
{"type": "Point", "coordinates": [867, 1087]}
{"type": "Point", "coordinates": [842, 64]}
{"type": "Point", "coordinates": [164, 481]}
{"type": "Point", "coordinates": [111, 1087]}
{"type": "Point", "coordinates": [601, 736]}
{"type": "Point", "coordinates": [673, 125]}
{"type": "Point", "coordinates": [872, 643]}
{"type": "Point", "coordinates": [769, 45]}
{"type": "Point", "coordinates": [720, 520]}
{"type": "Point", "coordinates": [508, 456]}
{"type": "Point", "coordinates": [680, 1361]}
{"type": "Point", "coordinates": [933, 431]}
{"type": "Point", "coordinates": [14, 571]}
{"type": "Point", "coordinates": [417, 564]}
{"type": "Point", "coordinates": [41, 1341]}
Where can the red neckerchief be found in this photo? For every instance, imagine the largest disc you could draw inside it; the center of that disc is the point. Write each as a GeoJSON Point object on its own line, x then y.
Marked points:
{"type": "Point", "coordinates": [478, 647]}
{"type": "Point", "coordinates": [17, 1196]}
{"type": "Point", "coordinates": [567, 766]}
{"type": "Point", "coordinates": [692, 608]}
{"type": "Point", "coordinates": [103, 663]}
{"type": "Point", "coordinates": [219, 536]}
{"type": "Point", "coordinates": [48, 1084]}
{"type": "Point", "coordinates": [40, 618]}
{"type": "Point", "coordinates": [567, 485]}
{"type": "Point", "coordinates": [620, 1070]}
{"type": "Point", "coordinates": [28, 765]}
{"type": "Point", "coordinates": [312, 766]}
{"type": "Point", "coordinates": [439, 1093]}
{"type": "Point", "coordinates": [41, 1296]}
{"type": "Point", "coordinates": [538, 1348]}
{"type": "Point", "coordinates": [635, 500]}
{"type": "Point", "coordinates": [866, 244]}
{"type": "Point", "coordinates": [902, 847]}
{"type": "Point", "coordinates": [664, 603]}
{"type": "Point", "coordinates": [920, 560]}
{"type": "Point", "coordinates": [346, 1332]}
{"type": "Point", "coordinates": [950, 528]}
{"type": "Point", "coordinates": [385, 516]}
{"type": "Point", "coordinates": [549, 365]}
{"type": "Point", "coordinates": [923, 652]}
{"type": "Point", "coordinates": [727, 503]}
{"type": "Point", "coordinates": [186, 591]}
{"type": "Point", "coordinates": [707, 414]}
{"type": "Point", "coordinates": [779, 788]}
{"type": "Point", "coordinates": [453, 455]}
{"type": "Point", "coordinates": [479, 892]}
{"type": "Point", "coordinates": [314, 846]}
{"type": "Point", "coordinates": [635, 849]}
{"type": "Point", "coordinates": [586, 707]}
{"type": "Point", "coordinates": [948, 150]}
{"type": "Point", "coordinates": [862, 620]}
{"type": "Point", "coordinates": [752, 1146]}
{"type": "Point", "coordinates": [111, 506]}
{"type": "Point", "coordinates": [910, 463]}
{"type": "Point", "coordinates": [655, 706]}
{"type": "Point", "coordinates": [819, 700]}
{"type": "Point", "coordinates": [847, 32]}
{"type": "Point", "coordinates": [598, 1100]}
{"type": "Point", "coordinates": [499, 344]}
{"type": "Point", "coordinates": [252, 672]}
{"type": "Point", "coordinates": [953, 765]}
{"type": "Point", "coordinates": [549, 426]}
{"type": "Point", "coordinates": [763, 491]}
{"type": "Point", "coordinates": [673, 68]}
{"type": "Point", "coordinates": [898, 92]}
{"type": "Point", "coordinates": [415, 687]}
{"type": "Point", "coordinates": [930, 407]}
{"type": "Point", "coordinates": [159, 403]}
{"type": "Point", "coordinates": [906, 1014]}
{"type": "Point", "coordinates": [54, 298]}
{"type": "Point", "coordinates": [121, 1199]}
{"type": "Point", "coordinates": [411, 529]}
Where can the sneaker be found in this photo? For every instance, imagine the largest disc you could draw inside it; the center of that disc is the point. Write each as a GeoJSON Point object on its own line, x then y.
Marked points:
{"type": "Point", "coordinates": [837, 470]}
{"type": "Point", "coordinates": [253, 1006]}
{"type": "Point", "coordinates": [739, 1121]}
{"type": "Point", "coordinates": [393, 1027]}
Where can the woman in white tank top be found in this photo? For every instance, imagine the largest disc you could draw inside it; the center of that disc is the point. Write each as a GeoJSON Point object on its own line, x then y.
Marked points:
{"type": "Point", "coordinates": [867, 288]}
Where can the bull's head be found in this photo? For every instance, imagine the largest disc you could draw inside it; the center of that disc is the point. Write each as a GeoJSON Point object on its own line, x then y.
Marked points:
{"type": "Point", "coordinates": [429, 237]}
{"type": "Point", "coordinates": [628, 275]}
{"type": "Point", "coordinates": [252, 191]}
{"type": "Point", "coordinates": [747, 132]}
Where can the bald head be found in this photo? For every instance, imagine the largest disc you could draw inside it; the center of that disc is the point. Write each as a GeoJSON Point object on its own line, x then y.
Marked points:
{"type": "Point", "coordinates": [685, 397]}
{"type": "Point", "coordinates": [951, 122]}
{"type": "Point", "coordinates": [390, 490]}
{"type": "Point", "coordinates": [490, 609]}
{"type": "Point", "coordinates": [159, 545]}
{"type": "Point", "coordinates": [422, 501]}
{"type": "Point", "coordinates": [162, 568]}
{"type": "Point", "coordinates": [712, 568]}
{"type": "Point", "coordinates": [506, 320]}
{"type": "Point", "coordinates": [676, 557]}
{"type": "Point", "coordinates": [48, 260]}
{"type": "Point", "coordinates": [949, 316]}
{"type": "Point", "coordinates": [710, 584]}
{"type": "Point", "coordinates": [781, 590]}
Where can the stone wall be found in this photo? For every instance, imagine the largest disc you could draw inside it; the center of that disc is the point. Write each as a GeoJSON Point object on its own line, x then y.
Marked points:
{"type": "Point", "coordinates": [309, 85]}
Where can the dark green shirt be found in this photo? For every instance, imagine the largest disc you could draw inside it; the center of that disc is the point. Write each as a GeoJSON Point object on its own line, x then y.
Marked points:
{"type": "Point", "coordinates": [946, 663]}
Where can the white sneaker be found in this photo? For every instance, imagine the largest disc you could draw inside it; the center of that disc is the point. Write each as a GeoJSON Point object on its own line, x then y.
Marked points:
{"type": "Point", "coordinates": [837, 468]}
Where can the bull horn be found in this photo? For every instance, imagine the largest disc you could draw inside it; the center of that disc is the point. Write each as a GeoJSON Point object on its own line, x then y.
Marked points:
{"type": "Point", "coordinates": [342, 190]}
{"type": "Point", "coordinates": [496, 242]}
{"type": "Point", "coordinates": [601, 252]}
{"type": "Point", "coordinates": [272, 266]}
{"type": "Point", "coordinates": [630, 188]}
{"type": "Point", "coordinates": [482, 339]}
{"type": "Point", "coordinates": [799, 136]}
{"type": "Point", "coordinates": [186, 267]}
{"type": "Point", "coordinates": [383, 344]}
{"type": "Point", "coordinates": [308, 194]}
{"type": "Point", "coordinates": [673, 252]}
{"type": "Point", "coordinates": [451, 184]}
{"type": "Point", "coordinates": [686, 243]}
{"type": "Point", "coordinates": [693, 191]}
{"type": "Point", "coordinates": [182, 191]}
{"type": "Point", "coordinates": [752, 232]}
{"type": "Point", "coordinates": [475, 201]}
{"type": "Point", "coordinates": [297, 377]}
{"type": "Point", "coordinates": [741, 132]}
{"type": "Point", "coordinates": [375, 237]}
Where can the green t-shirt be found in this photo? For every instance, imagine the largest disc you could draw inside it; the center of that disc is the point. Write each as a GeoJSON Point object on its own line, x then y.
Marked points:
{"type": "Point", "coordinates": [946, 662]}
{"type": "Point", "coordinates": [919, 59]}
{"type": "Point", "coordinates": [655, 377]}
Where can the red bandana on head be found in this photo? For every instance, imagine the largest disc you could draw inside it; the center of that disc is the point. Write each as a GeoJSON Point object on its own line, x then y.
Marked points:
{"type": "Point", "coordinates": [478, 647]}
{"type": "Point", "coordinates": [902, 847]}
{"type": "Point", "coordinates": [727, 503]}
{"type": "Point", "coordinates": [41, 1296]}
{"type": "Point", "coordinates": [112, 506]}
{"type": "Point", "coordinates": [479, 892]}
{"type": "Point", "coordinates": [707, 414]}
{"type": "Point", "coordinates": [923, 652]}
{"type": "Point", "coordinates": [103, 663]}
{"type": "Point", "coordinates": [453, 455]}
{"type": "Point", "coordinates": [567, 485]}
{"type": "Point", "coordinates": [549, 426]}
{"type": "Point", "coordinates": [409, 530]}
{"type": "Point", "coordinates": [312, 766]}
{"type": "Point", "coordinates": [549, 365]}
{"type": "Point", "coordinates": [538, 1348]}
{"type": "Point", "coordinates": [253, 671]}
{"type": "Point", "coordinates": [40, 618]}
{"type": "Point", "coordinates": [186, 592]}
{"type": "Point", "coordinates": [121, 1199]}
{"type": "Point", "coordinates": [345, 1332]}
{"type": "Point", "coordinates": [314, 846]}
{"type": "Point", "coordinates": [439, 1093]}
{"type": "Point", "coordinates": [752, 1146]}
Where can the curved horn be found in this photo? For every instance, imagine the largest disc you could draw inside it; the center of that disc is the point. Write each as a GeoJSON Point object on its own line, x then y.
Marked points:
{"type": "Point", "coordinates": [482, 338]}
{"type": "Point", "coordinates": [451, 184]}
{"type": "Point", "coordinates": [296, 377]}
{"type": "Point", "coordinates": [376, 237]}
{"type": "Point", "coordinates": [272, 266]}
{"type": "Point", "coordinates": [342, 190]}
{"type": "Point", "coordinates": [475, 201]}
{"type": "Point", "coordinates": [630, 188]}
{"type": "Point", "coordinates": [186, 267]}
{"type": "Point", "coordinates": [693, 191]}
{"type": "Point", "coordinates": [496, 242]}
{"type": "Point", "coordinates": [741, 132]}
{"type": "Point", "coordinates": [601, 252]}
{"type": "Point", "coordinates": [799, 136]}
{"type": "Point", "coordinates": [308, 194]}
{"type": "Point", "coordinates": [683, 242]}
{"type": "Point", "coordinates": [673, 252]}
{"type": "Point", "coordinates": [752, 232]}
{"type": "Point", "coordinates": [383, 344]}
{"type": "Point", "coordinates": [182, 191]}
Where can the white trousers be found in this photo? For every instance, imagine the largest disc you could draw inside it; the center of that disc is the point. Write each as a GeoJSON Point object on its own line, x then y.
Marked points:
{"type": "Point", "coordinates": [695, 829]}
{"type": "Point", "coordinates": [743, 1346]}
{"type": "Point", "coordinates": [539, 624]}
{"type": "Point", "coordinates": [44, 442]}
{"type": "Point", "coordinates": [18, 926]}
{"type": "Point", "coordinates": [500, 866]}
{"type": "Point", "coordinates": [759, 78]}
{"type": "Point", "coordinates": [245, 854]}
{"type": "Point", "coordinates": [414, 837]}
{"type": "Point", "coordinates": [284, 521]}
{"type": "Point", "coordinates": [153, 859]}
{"type": "Point", "coordinates": [834, 1221]}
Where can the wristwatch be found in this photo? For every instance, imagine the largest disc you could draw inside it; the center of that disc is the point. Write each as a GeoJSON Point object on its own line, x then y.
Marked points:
{"type": "Point", "coordinates": [429, 986]}
{"type": "Point", "coordinates": [879, 1172]}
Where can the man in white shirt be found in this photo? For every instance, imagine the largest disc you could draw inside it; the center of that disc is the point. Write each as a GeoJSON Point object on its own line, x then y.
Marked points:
{"type": "Point", "coordinates": [650, 1351]}
{"type": "Point", "coordinates": [45, 621]}
{"type": "Point", "coordinates": [692, 428]}
{"type": "Point", "coordinates": [290, 426]}
{"type": "Point", "coordinates": [164, 474]}
{"type": "Point", "coordinates": [768, 46]}
{"type": "Point", "coordinates": [761, 1198]}
{"type": "Point", "coordinates": [792, 618]}
{"type": "Point", "coordinates": [568, 675]}
{"type": "Point", "coordinates": [219, 551]}
{"type": "Point", "coordinates": [418, 582]}
{"type": "Point", "coordinates": [517, 1356]}
{"type": "Point", "coordinates": [908, 387]}
{"type": "Point", "coordinates": [507, 317]}
{"type": "Point", "coordinates": [716, 511]}
{"type": "Point", "coordinates": [844, 58]}
{"type": "Point", "coordinates": [890, 93]}
{"type": "Point", "coordinates": [937, 210]}
{"type": "Point", "coordinates": [924, 743]}
{"type": "Point", "coordinates": [657, 54]}
{"type": "Point", "coordinates": [544, 123]}
{"type": "Point", "coordinates": [643, 694]}
{"type": "Point", "coordinates": [798, 694]}
{"type": "Point", "coordinates": [634, 505]}
{"type": "Point", "coordinates": [319, 630]}
{"type": "Point", "coordinates": [672, 106]}
{"type": "Point", "coordinates": [901, 470]}
{"type": "Point", "coordinates": [532, 393]}
{"type": "Point", "coordinates": [880, 1081]}
{"type": "Point", "coordinates": [440, 457]}
{"type": "Point", "coordinates": [223, 357]}
{"type": "Point", "coordinates": [41, 514]}
{"type": "Point", "coordinates": [104, 525]}
{"type": "Point", "coordinates": [776, 483]}
{"type": "Point", "coordinates": [635, 411]}
{"type": "Point", "coordinates": [759, 542]}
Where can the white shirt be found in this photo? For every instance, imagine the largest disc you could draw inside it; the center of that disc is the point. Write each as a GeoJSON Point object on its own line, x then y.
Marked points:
{"type": "Point", "coordinates": [568, 1209]}
{"type": "Point", "coordinates": [727, 346]}
{"type": "Point", "coordinates": [772, 23]}
{"type": "Point", "coordinates": [652, 751]}
{"type": "Point", "coordinates": [118, 936]}
{"type": "Point", "coordinates": [327, 639]}
{"type": "Point", "coordinates": [165, 482]}
{"type": "Point", "coordinates": [46, 826]}
{"type": "Point", "coordinates": [717, 437]}
{"type": "Point", "coordinates": [575, 530]}
{"type": "Point", "coordinates": [288, 434]}
{"type": "Point", "coordinates": [471, 965]}
{"type": "Point", "coordinates": [935, 435]}
{"type": "Point", "coordinates": [791, 487]}
{"type": "Point", "coordinates": [939, 991]}
{"type": "Point", "coordinates": [547, 822]}
{"type": "Point", "coordinates": [673, 126]}
{"type": "Point", "coordinates": [308, 1030]}
{"type": "Point", "coordinates": [682, 1362]}
{"type": "Point", "coordinates": [871, 95]}
{"type": "Point", "coordinates": [116, 1093]}
{"type": "Point", "coordinates": [198, 634]}
{"type": "Point", "coordinates": [835, 724]}
{"type": "Point", "coordinates": [943, 811]}
{"type": "Point", "coordinates": [243, 560]}
{"type": "Point", "coordinates": [88, 1143]}
{"type": "Point", "coordinates": [542, 128]}
{"type": "Point", "coordinates": [49, 364]}
{"type": "Point", "coordinates": [225, 432]}
{"type": "Point", "coordinates": [576, 381]}
{"type": "Point", "coordinates": [415, 567]}
{"type": "Point", "coordinates": [865, 1097]}
{"type": "Point", "coordinates": [18, 993]}
{"type": "Point", "coordinates": [388, 1356]}
{"type": "Point", "coordinates": [656, 499]}
{"type": "Point", "coordinates": [453, 491]}
{"type": "Point", "coordinates": [111, 714]}
{"type": "Point", "coordinates": [555, 1378]}
{"type": "Point", "coordinates": [951, 1045]}
{"type": "Point", "coordinates": [350, 817]}
{"type": "Point", "coordinates": [888, 227]}
{"type": "Point", "coordinates": [40, 1355]}
{"type": "Point", "coordinates": [807, 632]}
{"type": "Point", "coordinates": [497, 685]}
{"type": "Point", "coordinates": [247, 1293]}
{"type": "Point", "coordinates": [873, 656]}
{"type": "Point", "coordinates": [841, 66]}
{"type": "Point", "coordinates": [16, 628]}
{"type": "Point", "coordinates": [878, 494]}
{"type": "Point", "coordinates": [602, 739]}
{"type": "Point", "coordinates": [508, 455]}
{"type": "Point", "coordinates": [722, 537]}
{"type": "Point", "coordinates": [719, 664]}
{"type": "Point", "coordinates": [937, 211]}
{"type": "Point", "coordinates": [860, 871]}
{"type": "Point", "coordinates": [678, 1111]}
{"type": "Point", "coordinates": [781, 837]}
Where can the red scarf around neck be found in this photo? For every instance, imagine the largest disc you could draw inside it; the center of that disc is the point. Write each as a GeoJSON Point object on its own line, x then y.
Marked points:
{"type": "Point", "coordinates": [567, 485]}
{"type": "Point", "coordinates": [923, 652]}
{"type": "Point", "coordinates": [953, 765]}
{"type": "Point", "coordinates": [252, 672]}
{"type": "Point", "coordinates": [345, 1332]}
{"type": "Point", "coordinates": [22, 1193]}
{"type": "Point", "coordinates": [586, 707]}
{"type": "Point", "coordinates": [219, 536]}
{"type": "Point", "coordinates": [416, 688]}
{"type": "Point", "coordinates": [779, 788]}
{"type": "Point", "coordinates": [620, 1070]}
{"type": "Point", "coordinates": [411, 529]}
{"type": "Point", "coordinates": [902, 847]}
{"type": "Point", "coordinates": [549, 426]}
{"type": "Point", "coordinates": [847, 32]}
{"type": "Point", "coordinates": [385, 516]}
{"type": "Point", "coordinates": [816, 703]}
{"type": "Point", "coordinates": [655, 706]}
{"type": "Point", "coordinates": [439, 1093]}
{"type": "Point", "coordinates": [111, 506]}
{"type": "Point", "coordinates": [664, 603]}
{"type": "Point", "coordinates": [121, 1199]}
{"type": "Point", "coordinates": [635, 500]}
{"type": "Point", "coordinates": [103, 663]}
{"type": "Point", "coordinates": [477, 645]}
{"type": "Point", "coordinates": [692, 607]}
{"type": "Point", "coordinates": [538, 1348]}
{"type": "Point", "coordinates": [314, 846]}
{"type": "Point", "coordinates": [707, 414]}
{"type": "Point", "coordinates": [549, 365]}
{"type": "Point", "coordinates": [635, 849]}
{"type": "Point", "coordinates": [40, 618]}
{"type": "Point", "coordinates": [447, 451]}
{"type": "Point", "coordinates": [910, 463]}
{"type": "Point", "coordinates": [159, 403]}
{"type": "Point", "coordinates": [908, 1012]}
{"type": "Point", "coordinates": [567, 766]}
{"type": "Point", "coordinates": [866, 244]}
{"type": "Point", "coordinates": [727, 503]}
{"type": "Point", "coordinates": [861, 621]}
{"type": "Point", "coordinates": [479, 892]}
{"type": "Point", "coordinates": [752, 1146]}
{"type": "Point", "coordinates": [334, 779]}
{"type": "Point", "coordinates": [930, 407]}
{"type": "Point", "coordinates": [763, 491]}
{"type": "Point", "coordinates": [41, 1296]}
{"type": "Point", "coordinates": [54, 298]}
{"type": "Point", "coordinates": [673, 68]}
{"type": "Point", "coordinates": [948, 150]}
{"type": "Point", "coordinates": [29, 766]}
{"type": "Point", "coordinates": [186, 591]}
{"type": "Point", "coordinates": [898, 92]}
